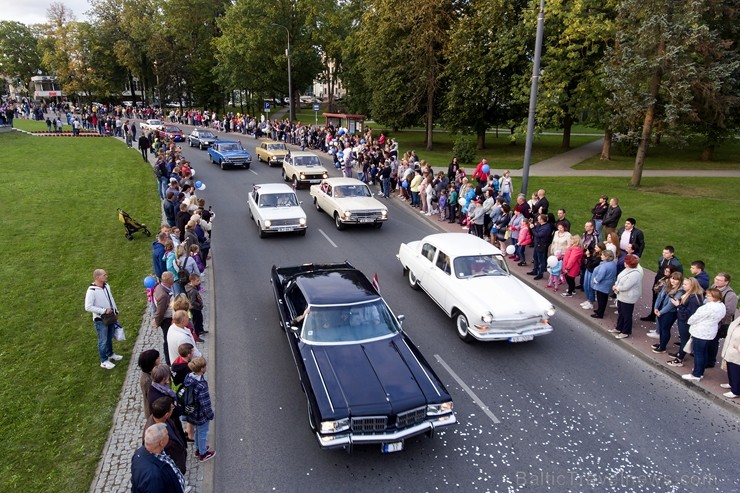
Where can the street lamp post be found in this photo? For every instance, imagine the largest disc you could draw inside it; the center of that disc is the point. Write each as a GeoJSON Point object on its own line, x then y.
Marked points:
{"type": "Point", "coordinates": [290, 79]}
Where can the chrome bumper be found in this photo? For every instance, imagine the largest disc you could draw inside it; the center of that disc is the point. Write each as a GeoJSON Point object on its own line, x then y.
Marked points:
{"type": "Point", "coordinates": [346, 439]}
{"type": "Point", "coordinates": [503, 335]}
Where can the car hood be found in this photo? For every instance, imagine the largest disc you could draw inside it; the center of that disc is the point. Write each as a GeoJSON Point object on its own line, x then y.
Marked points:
{"type": "Point", "coordinates": [234, 153]}
{"type": "Point", "coordinates": [282, 212]}
{"type": "Point", "coordinates": [310, 169]}
{"type": "Point", "coordinates": [359, 203]}
{"type": "Point", "coordinates": [505, 296]}
{"type": "Point", "coordinates": [375, 378]}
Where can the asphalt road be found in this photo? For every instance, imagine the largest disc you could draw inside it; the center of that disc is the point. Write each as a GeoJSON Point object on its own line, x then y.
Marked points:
{"type": "Point", "coordinates": [566, 412]}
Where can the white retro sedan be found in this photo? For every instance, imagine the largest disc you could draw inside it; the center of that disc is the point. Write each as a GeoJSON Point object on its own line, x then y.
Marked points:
{"type": "Point", "coordinates": [348, 201]}
{"type": "Point", "coordinates": [152, 124]}
{"type": "Point", "coordinates": [274, 207]}
{"type": "Point", "coordinates": [469, 279]}
{"type": "Point", "coordinates": [303, 168]}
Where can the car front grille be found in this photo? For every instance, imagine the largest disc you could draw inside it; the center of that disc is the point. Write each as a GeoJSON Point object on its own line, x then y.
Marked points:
{"type": "Point", "coordinates": [369, 424]}
{"type": "Point", "coordinates": [366, 215]}
{"type": "Point", "coordinates": [313, 176]}
{"type": "Point", "coordinates": [283, 222]}
{"type": "Point", "coordinates": [410, 418]}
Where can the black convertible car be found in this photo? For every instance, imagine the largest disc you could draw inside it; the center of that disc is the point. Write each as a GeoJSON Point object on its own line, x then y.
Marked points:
{"type": "Point", "coordinates": [364, 379]}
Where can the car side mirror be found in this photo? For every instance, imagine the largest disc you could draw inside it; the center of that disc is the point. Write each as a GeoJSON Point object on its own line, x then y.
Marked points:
{"type": "Point", "coordinates": [401, 318]}
{"type": "Point", "coordinates": [295, 329]}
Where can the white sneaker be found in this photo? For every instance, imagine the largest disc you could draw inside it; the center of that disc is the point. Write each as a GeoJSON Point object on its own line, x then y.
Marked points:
{"type": "Point", "coordinates": [653, 335]}
{"type": "Point", "coordinates": [725, 385]}
{"type": "Point", "coordinates": [587, 305]}
{"type": "Point", "coordinates": [107, 365]}
{"type": "Point", "coordinates": [115, 357]}
{"type": "Point", "coordinates": [691, 377]}
{"type": "Point", "coordinates": [730, 395]}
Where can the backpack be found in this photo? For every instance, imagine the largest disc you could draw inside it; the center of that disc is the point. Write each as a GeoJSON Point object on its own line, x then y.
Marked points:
{"type": "Point", "coordinates": [186, 399]}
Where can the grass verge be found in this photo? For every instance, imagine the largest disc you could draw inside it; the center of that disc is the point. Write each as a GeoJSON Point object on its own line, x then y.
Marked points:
{"type": "Point", "coordinates": [727, 156]}
{"type": "Point", "coordinates": [60, 197]}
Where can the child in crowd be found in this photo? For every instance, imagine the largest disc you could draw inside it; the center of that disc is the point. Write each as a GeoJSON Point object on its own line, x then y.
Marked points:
{"type": "Point", "coordinates": [203, 412]}
{"type": "Point", "coordinates": [443, 205]}
{"type": "Point", "coordinates": [556, 272]}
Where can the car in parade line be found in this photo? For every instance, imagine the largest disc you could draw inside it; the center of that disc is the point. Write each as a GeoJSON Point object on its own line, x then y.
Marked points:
{"type": "Point", "coordinates": [470, 281]}
{"type": "Point", "coordinates": [348, 201]}
{"type": "Point", "coordinates": [228, 154]}
{"type": "Point", "coordinates": [275, 208]}
{"type": "Point", "coordinates": [202, 137]}
{"type": "Point", "coordinates": [173, 132]}
{"type": "Point", "coordinates": [271, 152]}
{"type": "Point", "coordinates": [303, 168]}
{"type": "Point", "coordinates": [151, 124]}
{"type": "Point", "coordinates": [365, 382]}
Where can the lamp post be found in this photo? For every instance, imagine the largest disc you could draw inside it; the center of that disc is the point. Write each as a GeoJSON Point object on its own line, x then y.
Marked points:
{"type": "Point", "coordinates": [290, 79]}
{"type": "Point", "coordinates": [533, 97]}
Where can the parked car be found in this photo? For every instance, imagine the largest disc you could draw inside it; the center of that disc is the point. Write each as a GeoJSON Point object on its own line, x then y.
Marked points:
{"type": "Point", "coordinates": [365, 381]}
{"type": "Point", "coordinates": [469, 279]}
{"type": "Point", "coordinates": [227, 153]}
{"type": "Point", "coordinates": [303, 168]}
{"type": "Point", "coordinates": [275, 208]}
{"type": "Point", "coordinates": [201, 137]}
{"type": "Point", "coordinates": [173, 132]}
{"type": "Point", "coordinates": [348, 201]}
{"type": "Point", "coordinates": [152, 124]}
{"type": "Point", "coordinates": [271, 152]}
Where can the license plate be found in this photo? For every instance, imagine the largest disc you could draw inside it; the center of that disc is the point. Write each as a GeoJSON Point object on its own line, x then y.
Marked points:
{"type": "Point", "coordinates": [388, 448]}
{"type": "Point", "coordinates": [366, 220]}
{"type": "Point", "coordinates": [283, 230]}
{"type": "Point", "coordinates": [521, 338]}
{"type": "Point", "coordinates": [314, 181]}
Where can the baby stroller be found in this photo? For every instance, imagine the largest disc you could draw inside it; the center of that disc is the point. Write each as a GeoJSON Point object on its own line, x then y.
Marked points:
{"type": "Point", "coordinates": [131, 224]}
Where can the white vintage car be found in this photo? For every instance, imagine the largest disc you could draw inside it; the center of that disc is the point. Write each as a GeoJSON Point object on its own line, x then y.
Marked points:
{"type": "Point", "coordinates": [276, 209]}
{"type": "Point", "coordinates": [348, 201]}
{"type": "Point", "coordinates": [303, 168]}
{"type": "Point", "coordinates": [151, 124]}
{"type": "Point", "coordinates": [469, 279]}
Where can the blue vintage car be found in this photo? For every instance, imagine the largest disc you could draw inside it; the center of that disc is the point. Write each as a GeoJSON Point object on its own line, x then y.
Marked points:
{"type": "Point", "coordinates": [228, 153]}
{"type": "Point", "coordinates": [365, 381]}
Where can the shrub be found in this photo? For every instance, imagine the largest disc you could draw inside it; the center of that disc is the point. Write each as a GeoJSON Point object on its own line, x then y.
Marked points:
{"type": "Point", "coordinates": [465, 150]}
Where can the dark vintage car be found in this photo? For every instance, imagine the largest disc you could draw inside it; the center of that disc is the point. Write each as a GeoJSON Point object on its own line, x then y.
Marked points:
{"type": "Point", "coordinates": [201, 137]}
{"type": "Point", "coordinates": [364, 380]}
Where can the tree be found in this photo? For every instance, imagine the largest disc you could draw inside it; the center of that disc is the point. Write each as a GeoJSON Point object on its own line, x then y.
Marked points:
{"type": "Point", "coordinates": [19, 54]}
{"type": "Point", "coordinates": [482, 57]}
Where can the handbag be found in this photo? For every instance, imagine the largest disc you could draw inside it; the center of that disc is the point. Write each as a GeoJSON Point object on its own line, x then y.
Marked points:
{"type": "Point", "coordinates": [688, 347]}
{"type": "Point", "coordinates": [119, 334]}
{"type": "Point", "coordinates": [112, 317]}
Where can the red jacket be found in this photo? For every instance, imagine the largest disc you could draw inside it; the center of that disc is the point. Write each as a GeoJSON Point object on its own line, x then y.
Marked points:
{"type": "Point", "coordinates": [572, 261]}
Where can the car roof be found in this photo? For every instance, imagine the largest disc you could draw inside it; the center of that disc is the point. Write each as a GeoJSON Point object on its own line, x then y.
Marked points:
{"type": "Point", "coordinates": [336, 287]}
{"type": "Point", "coordinates": [270, 141]}
{"type": "Point", "coordinates": [343, 181]}
{"type": "Point", "coordinates": [274, 188]}
{"type": "Point", "coordinates": [461, 244]}
{"type": "Point", "coordinates": [302, 153]}
{"type": "Point", "coordinates": [228, 142]}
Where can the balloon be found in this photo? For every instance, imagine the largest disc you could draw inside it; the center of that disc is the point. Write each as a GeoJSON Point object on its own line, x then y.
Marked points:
{"type": "Point", "coordinates": [405, 184]}
{"type": "Point", "coordinates": [470, 194]}
{"type": "Point", "coordinates": [362, 141]}
{"type": "Point", "coordinates": [340, 131]}
{"type": "Point", "coordinates": [552, 261]}
{"type": "Point", "coordinates": [149, 282]}
{"type": "Point", "coordinates": [464, 210]}
{"type": "Point", "coordinates": [331, 150]}
{"type": "Point", "coordinates": [486, 169]}
{"type": "Point", "coordinates": [510, 249]}
{"type": "Point", "coordinates": [198, 184]}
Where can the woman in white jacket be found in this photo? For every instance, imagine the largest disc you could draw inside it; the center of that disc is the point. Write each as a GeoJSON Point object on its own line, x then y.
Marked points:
{"type": "Point", "coordinates": [704, 324]}
{"type": "Point", "coordinates": [628, 289]}
{"type": "Point", "coordinates": [731, 359]}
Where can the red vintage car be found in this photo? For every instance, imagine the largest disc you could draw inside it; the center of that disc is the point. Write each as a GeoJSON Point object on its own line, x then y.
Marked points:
{"type": "Point", "coordinates": [172, 132]}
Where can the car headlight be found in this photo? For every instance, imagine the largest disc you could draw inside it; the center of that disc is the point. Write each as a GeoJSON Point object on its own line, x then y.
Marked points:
{"type": "Point", "coordinates": [325, 175]}
{"type": "Point", "coordinates": [487, 318]}
{"type": "Point", "coordinates": [347, 214]}
{"type": "Point", "coordinates": [438, 409]}
{"type": "Point", "coordinates": [335, 426]}
{"type": "Point", "coordinates": [303, 176]}
{"type": "Point", "coordinates": [550, 312]}
{"type": "Point", "coordinates": [302, 221]}
{"type": "Point", "coordinates": [268, 223]}
{"type": "Point", "coordinates": [383, 213]}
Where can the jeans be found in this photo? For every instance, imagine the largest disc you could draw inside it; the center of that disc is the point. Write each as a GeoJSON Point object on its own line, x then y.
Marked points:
{"type": "Point", "coordinates": [597, 227]}
{"type": "Point", "coordinates": [201, 437]}
{"type": "Point", "coordinates": [540, 261]}
{"type": "Point", "coordinates": [163, 182]}
{"type": "Point", "coordinates": [625, 312]}
{"type": "Point", "coordinates": [105, 340]}
{"type": "Point", "coordinates": [588, 287]}
{"type": "Point", "coordinates": [683, 337]}
{"type": "Point", "coordinates": [386, 185]}
{"type": "Point", "coordinates": [414, 199]}
{"type": "Point", "coordinates": [700, 347]}
{"type": "Point", "coordinates": [663, 326]}
{"type": "Point", "coordinates": [519, 252]}
{"type": "Point", "coordinates": [178, 288]}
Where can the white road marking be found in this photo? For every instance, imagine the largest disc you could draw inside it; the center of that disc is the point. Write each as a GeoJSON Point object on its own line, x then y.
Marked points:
{"type": "Point", "coordinates": [253, 171]}
{"type": "Point", "coordinates": [467, 389]}
{"type": "Point", "coordinates": [328, 239]}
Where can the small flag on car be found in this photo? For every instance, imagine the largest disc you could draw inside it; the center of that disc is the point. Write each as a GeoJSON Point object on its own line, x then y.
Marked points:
{"type": "Point", "coordinates": [375, 283]}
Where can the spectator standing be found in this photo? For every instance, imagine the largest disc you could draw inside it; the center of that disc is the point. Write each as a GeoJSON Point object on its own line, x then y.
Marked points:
{"type": "Point", "coordinates": [180, 334]}
{"type": "Point", "coordinates": [152, 470]}
{"type": "Point", "coordinates": [668, 258]}
{"type": "Point", "coordinates": [572, 264]}
{"type": "Point", "coordinates": [196, 304]}
{"type": "Point", "coordinates": [731, 360]}
{"type": "Point", "coordinates": [628, 289]}
{"type": "Point", "coordinates": [704, 325]}
{"type": "Point", "coordinates": [602, 280]}
{"type": "Point", "coordinates": [505, 186]}
{"type": "Point", "coordinates": [611, 218]}
{"type": "Point", "coordinates": [163, 295]}
{"type": "Point", "coordinates": [697, 270]}
{"type": "Point", "coordinates": [729, 298]}
{"type": "Point", "coordinates": [542, 205]}
{"type": "Point", "coordinates": [666, 312]}
{"type": "Point", "coordinates": [203, 414]}
{"type": "Point", "coordinates": [525, 238]}
{"type": "Point", "coordinates": [99, 301]}
{"type": "Point", "coordinates": [630, 235]}
{"type": "Point", "coordinates": [561, 219]}
{"type": "Point", "coordinates": [597, 214]}
{"type": "Point", "coordinates": [147, 361]}
{"type": "Point", "coordinates": [541, 234]}
{"type": "Point", "coordinates": [159, 265]}
{"type": "Point", "coordinates": [177, 446]}
{"type": "Point", "coordinates": [690, 301]}
{"type": "Point", "coordinates": [144, 145]}
{"type": "Point", "coordinates": [560, 240]}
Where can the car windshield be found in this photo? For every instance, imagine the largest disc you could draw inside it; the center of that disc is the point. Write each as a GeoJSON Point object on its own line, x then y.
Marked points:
{"type": "Point", "coordinates": [480, 265]}
{"type": "Point", "coordinates": [231, 147]}
{"type": "Point", "coordinates": [171, 129]}
{"type": "Point", "coordinates": [278, 200]}
{"type": "Point", "coordinates": [306, 161]}
{"type": "Point", "coordinates": [205, 135]}
{"type": "Point", "coordinates": [352, 191]}
{"type": "Point", "coordinates": [276, 147]}
{"type": "Point", "coordinates": [349, 323]}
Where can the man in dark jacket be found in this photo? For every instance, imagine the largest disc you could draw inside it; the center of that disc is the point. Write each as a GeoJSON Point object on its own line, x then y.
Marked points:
{"type": "Point", "coordinates": [144, 145]}
{"type": "Point", "coordinates": [630, 235]}
{"type": "Point", "coordinates": [611, 218]}
{"type": "Point", "coordinates": [541, 237]}
{"type": "Point", "coordinates": [177, 446]}
{"type": "Point", "coordinates": [152, 470]}
{"type": "Point", "coordinates": [667, 259]}
{"type": "Point", "coordinates": [158, 263]}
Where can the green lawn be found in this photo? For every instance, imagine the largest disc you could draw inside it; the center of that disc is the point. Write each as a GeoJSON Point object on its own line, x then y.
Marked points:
{"type": "Point", "coordinates": [36, 126]}
{"type": "Point", "coordinates": [665, 156]}
{"type": "Point", "coordinates": [60, 197]}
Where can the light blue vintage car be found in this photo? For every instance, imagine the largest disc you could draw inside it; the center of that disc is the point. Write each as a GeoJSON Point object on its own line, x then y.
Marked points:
{"type": "Point", "coordinates": [229, 154]}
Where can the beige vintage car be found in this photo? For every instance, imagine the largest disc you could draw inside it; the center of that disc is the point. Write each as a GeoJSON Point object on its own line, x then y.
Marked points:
{"type": "Point", "coordinates": [348, 201]}
{"type": "Point", "coordinates": [271, 152]}
{"type": "Point", "coordinates": [303, 168]}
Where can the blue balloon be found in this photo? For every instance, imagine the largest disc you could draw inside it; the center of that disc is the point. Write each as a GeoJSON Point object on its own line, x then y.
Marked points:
{"type": "Point", "coordinates": [470, 194]}
{"type": "Point", "coordinates": [464, 210]}
{"type": "Point", "coordinates": [486, 169]}
{"type": "Point", "coordinates": [405, 184]}
{"type": "Point", "coordinates": [149, 282]}
{"type": "Point", "coordinates": [340, 132]}
{"type": "Point", "coordinates": [362, 141]}
{"type": "Point", "coordinates": [198, 184]}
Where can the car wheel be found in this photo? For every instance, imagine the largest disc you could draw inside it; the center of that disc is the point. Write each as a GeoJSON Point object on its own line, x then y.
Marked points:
{"type": "Point", "coordinates": [463, 328]}
{"type": "Point", "coordinates": [378, 225]}
{"type": "Point", "coordinates": [190, 143]}
{"type": "Point", "coordinates": [210, 158]}
{"type": "Point", "coordinates": [337, 222]}
{"type": "Point", "coordinates": [200, 146]}
{"type": "Point", "coordinates": [222, 164]}
{"type": "Point", "coordinates": [413, 281]}
{"type": "Point", "coordinates": [262, 231]}
{"type": "Point", "coordinates": [316, 203]}
{"type": "Point", "coordinates": [311, 417]}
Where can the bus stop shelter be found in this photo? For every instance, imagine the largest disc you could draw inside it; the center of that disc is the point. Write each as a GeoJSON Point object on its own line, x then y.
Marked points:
{"type": "Point", "coordinates": [353, 123]}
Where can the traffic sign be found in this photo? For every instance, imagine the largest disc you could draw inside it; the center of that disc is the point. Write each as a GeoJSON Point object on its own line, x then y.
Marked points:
{"type": "Point", "coordinates": [267, 106]}
{"type": "Point", "coordinates": [316, 106]}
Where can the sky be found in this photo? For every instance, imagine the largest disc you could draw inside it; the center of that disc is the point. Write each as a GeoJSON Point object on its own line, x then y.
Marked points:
{"type": "Point", "coordinates": [34, 11]}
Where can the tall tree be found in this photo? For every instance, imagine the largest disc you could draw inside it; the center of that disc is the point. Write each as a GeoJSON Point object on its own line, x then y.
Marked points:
{"type": "Point", "coordinates": [19, 53]}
